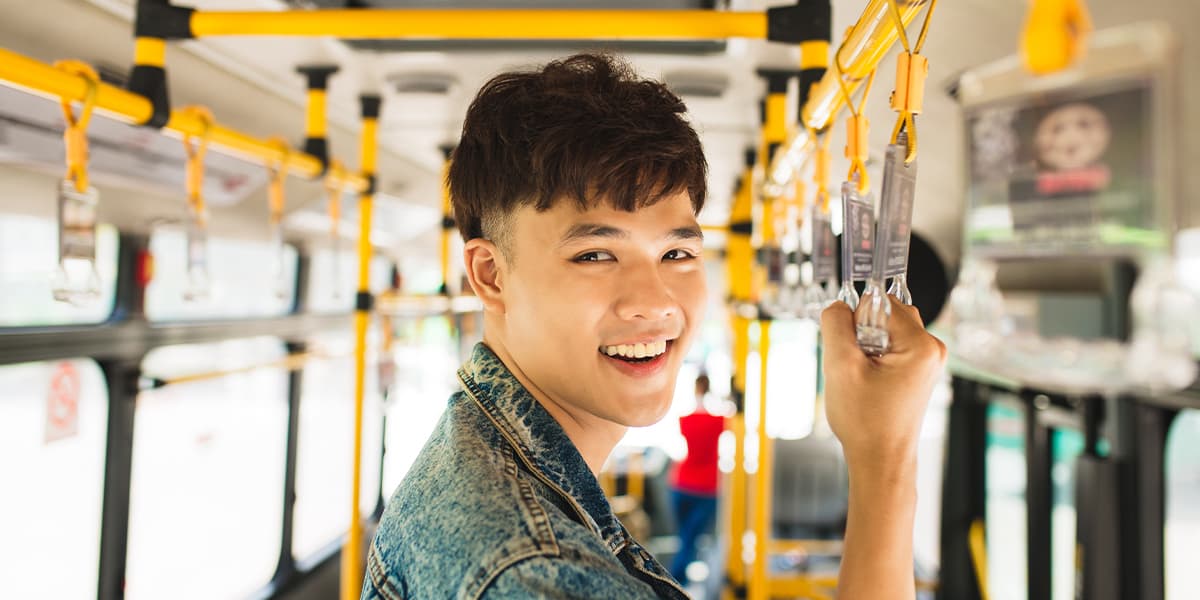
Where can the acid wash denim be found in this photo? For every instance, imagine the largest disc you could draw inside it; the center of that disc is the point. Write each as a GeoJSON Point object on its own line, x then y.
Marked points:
{"type": "Point", "coordinates": [500, 504]}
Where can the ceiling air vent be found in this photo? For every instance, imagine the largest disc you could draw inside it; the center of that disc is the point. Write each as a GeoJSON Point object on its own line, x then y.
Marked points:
{"type": "Point", "coordinates": [422, 83]}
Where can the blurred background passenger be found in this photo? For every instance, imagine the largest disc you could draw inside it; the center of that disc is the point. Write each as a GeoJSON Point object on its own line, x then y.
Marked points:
{"type": "Point", "coordinates": [694, 481]}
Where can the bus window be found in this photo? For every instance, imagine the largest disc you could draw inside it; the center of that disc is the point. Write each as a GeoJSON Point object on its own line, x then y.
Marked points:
{"type": "Point", "coordinates": [1005, 507]}
{"type": "Point", "coordinates": [1181, 531]}
{"type": "Point", "coordinates": [324, 450]}
{"type": "Point", "coordinates": [1065, 445]}
{"type": "Point", "coordinates": [426, 356]}
{"type": "Point", "coordinates": [206, 494]}
{"type": "Point", "coordinates": [332, 280]}
{"type": "Point", "coordinates": [241, 280]}
{"type": "Point", "coordinates": [53, 428]}
{"type": "Point", "coordinates": [931, 452]}
{"type": "Point", "coordinates": [28, 259]}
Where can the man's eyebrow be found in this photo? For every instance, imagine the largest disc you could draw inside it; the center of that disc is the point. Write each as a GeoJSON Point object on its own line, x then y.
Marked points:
{"type": "Point", "coordinates": [592, 230]}
{"type": "Point", "coordinates": [691, 232]}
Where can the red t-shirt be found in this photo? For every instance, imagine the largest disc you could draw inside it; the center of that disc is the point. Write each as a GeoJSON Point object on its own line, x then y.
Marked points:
{"type": "Point", "coordinates": [697, 473]}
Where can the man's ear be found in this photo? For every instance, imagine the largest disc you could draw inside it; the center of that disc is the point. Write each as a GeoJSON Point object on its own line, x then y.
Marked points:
{"type": "Point", "coordinates": [484, 266]}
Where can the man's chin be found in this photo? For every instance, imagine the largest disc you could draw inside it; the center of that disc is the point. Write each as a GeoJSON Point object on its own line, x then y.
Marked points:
{"type": "Point", "coordinates": [647, 417]}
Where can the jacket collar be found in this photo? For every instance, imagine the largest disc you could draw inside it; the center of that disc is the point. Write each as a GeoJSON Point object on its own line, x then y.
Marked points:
{"type": "Point", "coordinates": [539, 441]}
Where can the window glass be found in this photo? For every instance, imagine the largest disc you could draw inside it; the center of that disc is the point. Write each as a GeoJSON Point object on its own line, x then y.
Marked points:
{"type": "Point", "coordinates": [931, 451]}
{"type": "Point", "coordinates": [242, 275]}
{"type": "Point", "coordinates": [206, 495]}
{"type": "Point", "coordinates": [28, 261]}
{"type": "Point", "coordinates": [324, 450]}
{"type": "Point", "coordinates": [1181, 531]}
{"type": "Point", "coordinates": [1066, 446]}
{"type": "Point", "coordinates": [426, 362]}
{"type": "Point", "coordinates": [333, 279]}
{"type": "Point", "coordinates": [1004, 504]}
{"type": "Point", "coordinates": [53, 427]}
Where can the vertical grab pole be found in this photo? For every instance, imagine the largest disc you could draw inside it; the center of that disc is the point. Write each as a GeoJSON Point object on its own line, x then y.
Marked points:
{"type": "Point", "coordinates": [774, 133]}
{"type": "Point", "coordinates": [448, 224]}
{"type": "Point", "coordinates": [739, 260]}
{"type": "Point", "coordinates": [316, 140]}
{"type": "Point", "coordinates": [759, 581]}
{"type": "Point", "coordinates": [352, 551]}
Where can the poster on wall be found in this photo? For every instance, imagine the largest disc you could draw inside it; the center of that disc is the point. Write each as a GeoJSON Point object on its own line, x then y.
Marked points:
{"type": "Point", "coordinates": [1061, 172]}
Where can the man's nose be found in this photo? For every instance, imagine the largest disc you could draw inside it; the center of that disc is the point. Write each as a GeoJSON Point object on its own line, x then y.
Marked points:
{"type": "Point", "coordinates": [645, 296]}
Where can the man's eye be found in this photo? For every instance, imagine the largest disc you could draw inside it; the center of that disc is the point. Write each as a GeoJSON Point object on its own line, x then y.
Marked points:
{"type": "Point", "coordinates": [678, 254]}
{"type": "Point", "coordinates": [595, 256]}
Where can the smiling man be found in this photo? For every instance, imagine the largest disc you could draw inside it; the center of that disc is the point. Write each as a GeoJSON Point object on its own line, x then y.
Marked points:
{"type": "Point", "coordinates": [576, 188]}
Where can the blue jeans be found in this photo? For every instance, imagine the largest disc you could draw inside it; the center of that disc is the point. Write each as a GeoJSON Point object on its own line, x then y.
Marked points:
{"type": "Point", "coordinates": [695, 514]}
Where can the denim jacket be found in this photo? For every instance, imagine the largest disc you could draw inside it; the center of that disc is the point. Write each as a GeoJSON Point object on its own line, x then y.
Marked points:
{"type": "Point", "coordinates": [500, 504]}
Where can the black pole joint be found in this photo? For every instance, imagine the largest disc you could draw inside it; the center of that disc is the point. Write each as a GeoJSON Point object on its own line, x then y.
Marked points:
{"type": "Point", "coordinates": [163, 20]}
{"type": "Point", "coordinates": [364, 301]}
{"type": "Point", "coordinates": [150, 82]}
{"type": "Point", "coordinates": [801, 22]}
{"type": "Point", "coordinates": [777, 79]}
{"type": "Point", "coordinates": [317, 75]}
{"type": "Point", "coordinates": [370, 106]}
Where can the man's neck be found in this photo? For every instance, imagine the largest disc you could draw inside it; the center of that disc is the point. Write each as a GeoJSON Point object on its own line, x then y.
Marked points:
{"type": "Point", "coordinates": [593, 437]}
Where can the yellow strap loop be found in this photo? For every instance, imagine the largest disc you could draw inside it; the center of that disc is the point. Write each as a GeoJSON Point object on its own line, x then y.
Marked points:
{"type": "Point", "coordinates": [1055, 34]}
{"type": "Point", "coordinates": [195, 147]}
{"type": "Point", "coordinates": [821, 171]}
{"type": "Point", "coordinates": [911, 70]}
{"type": "Point", "coordinates": [335, 182]}
{"type": "Point", "coordinates": [276, 198]}
{"type": "Point", "coordinates": [75, 134]}
{"type": "Point", "coordinates": [857, 126]}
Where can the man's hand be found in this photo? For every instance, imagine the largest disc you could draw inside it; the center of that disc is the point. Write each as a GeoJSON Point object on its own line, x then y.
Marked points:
{"type": "Point", "coordinates": [875, 406]}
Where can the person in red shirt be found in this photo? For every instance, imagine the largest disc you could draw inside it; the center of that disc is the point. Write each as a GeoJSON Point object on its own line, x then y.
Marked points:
{"type": "Point", "coordinates": [694, 481]}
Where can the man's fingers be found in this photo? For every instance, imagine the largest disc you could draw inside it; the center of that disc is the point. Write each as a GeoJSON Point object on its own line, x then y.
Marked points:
{"type": "Point", "coordinates": [837, 332]}
{"type": "Point", "coordinates": [907, 331]}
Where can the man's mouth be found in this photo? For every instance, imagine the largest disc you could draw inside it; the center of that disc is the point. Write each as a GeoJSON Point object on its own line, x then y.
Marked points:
{"type": "Point", "coordinates": [641, 352]}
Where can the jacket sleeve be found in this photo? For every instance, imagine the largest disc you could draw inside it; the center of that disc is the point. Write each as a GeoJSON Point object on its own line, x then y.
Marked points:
{"type": "Point", "coordinates": [559, 578]}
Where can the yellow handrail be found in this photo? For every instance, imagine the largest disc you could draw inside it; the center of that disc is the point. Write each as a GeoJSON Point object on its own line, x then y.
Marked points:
{"type": "Point", "coordinates": [865, 44]}
{"type": "Point", "coordinates": [485, 24]}
{"type": "Point", "coordinates": [36, 76]}
{"type": "Point", "coordinates": [291, 362]}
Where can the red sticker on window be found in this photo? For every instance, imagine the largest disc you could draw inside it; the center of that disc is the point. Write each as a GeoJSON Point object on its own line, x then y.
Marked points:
{"type": "Point", "coordinates": [62, 403]}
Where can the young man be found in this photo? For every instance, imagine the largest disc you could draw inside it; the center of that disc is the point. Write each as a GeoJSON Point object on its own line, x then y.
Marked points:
{"type": "Point", "coordinates": [576, 188]}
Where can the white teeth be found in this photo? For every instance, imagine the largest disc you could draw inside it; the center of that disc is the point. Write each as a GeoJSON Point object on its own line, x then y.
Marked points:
{"type": "Point", "coordinates": [640, 350]}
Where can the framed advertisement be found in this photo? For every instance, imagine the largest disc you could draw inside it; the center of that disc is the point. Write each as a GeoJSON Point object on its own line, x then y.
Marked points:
{"type": "Point", "coordinates": [1076, 163]}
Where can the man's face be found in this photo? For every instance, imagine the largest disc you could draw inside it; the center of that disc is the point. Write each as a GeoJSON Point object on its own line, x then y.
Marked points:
{"type": "Point", "coordinates": [584, 285]}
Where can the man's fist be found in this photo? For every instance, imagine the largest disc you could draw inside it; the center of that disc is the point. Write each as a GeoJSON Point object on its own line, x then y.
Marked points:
{"type": "Point", "coordinates": [875, 405]}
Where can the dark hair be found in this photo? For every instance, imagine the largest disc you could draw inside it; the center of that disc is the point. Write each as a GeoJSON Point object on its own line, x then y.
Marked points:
{"type": "Point", "coordinates": [584, 128]}
{"type": "Point", "coordinates": [702, 383]}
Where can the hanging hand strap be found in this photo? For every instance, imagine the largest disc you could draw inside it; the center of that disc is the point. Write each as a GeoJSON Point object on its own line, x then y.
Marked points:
{"type": "Point", "coordinates": [821, 171]}
{"type": "Point", "coordinates": [857, 127]}
{"type": "Point", "coordinates": [195, 147]}
{"type": "Point", "coordinates": [911, 70]}
{"type": "Point", "coordinates": [276, 195]}
{"type": "Point", "coordinates": [75, 135]}
{"type": "Point", "coordinates": [1055, 34]}
{"type": "Point", "coordinates": [335, 183]}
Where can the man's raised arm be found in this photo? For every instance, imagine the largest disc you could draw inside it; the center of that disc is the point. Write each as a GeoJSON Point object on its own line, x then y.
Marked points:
{"type": "Point", "coordinates": [875, 406]}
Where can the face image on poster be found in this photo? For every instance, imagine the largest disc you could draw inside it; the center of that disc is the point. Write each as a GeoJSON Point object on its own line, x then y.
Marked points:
{"type": "Point", "coordinates": [1069, 169]}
